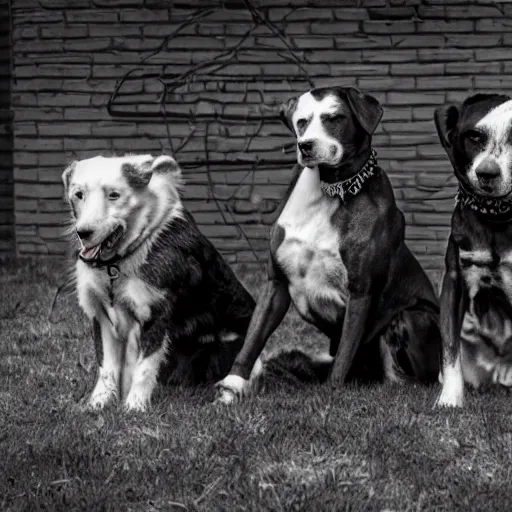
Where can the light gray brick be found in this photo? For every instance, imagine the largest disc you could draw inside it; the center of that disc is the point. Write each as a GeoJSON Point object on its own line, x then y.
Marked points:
{"type": "Point", "coordinates": [388, 27]}
{"type": "Point", "coordinates": [141, 16]}
{"type": "Point", "coordinates": [503, 82]}
{"type": "Point", "coordinates": [440, 83]}
{"type": "Point", "coordinates": [493, 25]}
{"type": "Point", "coordinates": [475, 41]}
{"type": "Point", "coordinates": [472, 68]}
{"type": "Point", "coordinates": [313, 43]}
{"type": "Point", "coordinates": [445, 55]}
{"type": "Point", "coordinates": [493, 54]}
{"type": "Point", "coordinates": [416, 69]}
{"type": "Point", "coordinates": [391, 56]}
{"type": "Point", "coordinates": [417, 41]}
{"type": "Point", "coordinates": [91, 16]}
{"type": "Point", "coordinates": [341, 27]}
{"type": "Point", "coordinates": [386, 83]}
{"type": "Point", "coordinates": [445, 27]}
{"type": "Point", "coordinates": [415, 98]}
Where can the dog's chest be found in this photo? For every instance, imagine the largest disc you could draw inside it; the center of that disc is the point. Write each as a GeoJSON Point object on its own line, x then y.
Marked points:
{"type": "Point", "coordinates": [309, 253]}
{"type": "Point", "coordinates": [483, 268]}
{"type": "Point", "coordinates": [125, 299]}
{"type": "Point", "coordinates": [487, 274]}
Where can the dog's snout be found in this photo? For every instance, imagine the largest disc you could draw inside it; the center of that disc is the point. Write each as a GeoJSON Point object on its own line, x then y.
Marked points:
{"type": "Point", "coordinates": [306, 147]}
{"type": "Point", "coordinates": [487, 171]}
{"type": "Point", "coordinates": [84, 234]}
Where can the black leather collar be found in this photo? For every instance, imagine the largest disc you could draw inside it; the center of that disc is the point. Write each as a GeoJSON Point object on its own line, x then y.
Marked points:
{"type": "Point", "coordinates": [353, 185]}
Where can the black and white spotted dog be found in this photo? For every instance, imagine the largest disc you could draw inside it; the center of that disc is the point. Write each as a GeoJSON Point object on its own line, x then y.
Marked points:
{"type": "Point", "coordinates": [476, 296]}
{"type": "Point", "coordinates": [161, 298]}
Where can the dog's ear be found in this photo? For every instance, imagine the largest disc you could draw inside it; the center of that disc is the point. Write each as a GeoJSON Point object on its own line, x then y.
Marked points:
{"type": "Point", "coordinates": [446, 119]}
{"type": "Point", "coordinates": [164, 164]}
{"type": "Point", "coordinates": [66, 175]}
{"type": "Point", "coordinates": [365, 108]}
{"type": "Point", "coordinates": [286, 112]}
{"type": "Point", "coordinates": [137, 174]}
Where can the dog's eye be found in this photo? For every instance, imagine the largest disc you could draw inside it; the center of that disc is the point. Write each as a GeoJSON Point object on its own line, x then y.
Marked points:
{"type": "Point", "coordinates": [79, 195]}
{"type": "Point", "coordinates": [301, 123]}
{"type": "Point", "coordinates": [336, 117]}
{"type": "Point", "coordinates": [113, 196]}
{"type": "Point", "coordinates": [475, 137]}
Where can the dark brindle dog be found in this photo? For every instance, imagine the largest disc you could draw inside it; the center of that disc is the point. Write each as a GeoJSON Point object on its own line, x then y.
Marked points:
{"type": "Point", "coordinates": [477, 286]}
{"type": "Point", "coordinates": [337, 252]}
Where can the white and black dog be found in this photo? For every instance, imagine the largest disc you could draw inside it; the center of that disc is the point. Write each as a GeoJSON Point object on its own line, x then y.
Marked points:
{"type": "Point", "coordinates": [161, 298]}
{"type": "Point", "coordinates": [476, 295]}
{"type": "Point", "coordinates": [337, 251]}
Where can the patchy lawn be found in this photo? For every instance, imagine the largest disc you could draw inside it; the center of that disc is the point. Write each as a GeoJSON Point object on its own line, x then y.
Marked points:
{"type": "Point", "coordinates": [293, 447]}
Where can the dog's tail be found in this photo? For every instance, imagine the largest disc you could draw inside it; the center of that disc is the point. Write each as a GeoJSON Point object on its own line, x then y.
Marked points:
{"type": "Point", "coordinates": [297, 366]}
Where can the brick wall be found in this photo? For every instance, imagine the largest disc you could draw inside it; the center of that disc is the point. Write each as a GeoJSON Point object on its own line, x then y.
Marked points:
{"type": "Point", "coordinates": [224, 70]}
{"type": "Point", "coordinates": [6, 140]}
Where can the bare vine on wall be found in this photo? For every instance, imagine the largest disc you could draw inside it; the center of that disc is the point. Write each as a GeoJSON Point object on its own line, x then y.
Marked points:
{"type": "Point", "coordinates": [209, 71]}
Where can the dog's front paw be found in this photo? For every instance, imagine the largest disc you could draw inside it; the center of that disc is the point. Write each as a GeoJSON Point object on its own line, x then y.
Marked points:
{"type": "Point", "coordinates": [232, 389]}
{"type": "Point", "coordinates": [99, 400]}
{"type": "Point", "coordinates": [138, 398]}
{"type": "Point", "coordinates": [134, 403]}
{"type": "Point", "coordinates": [503, 374]}
{"type": "Point", "coordinates": [104, 393]}
{"type": "Point", "coordinates": [451, 396]}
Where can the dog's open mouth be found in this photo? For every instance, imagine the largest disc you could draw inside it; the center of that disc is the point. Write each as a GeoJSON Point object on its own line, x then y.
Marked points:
{"type": "Point", "coordinates": [103, 250]}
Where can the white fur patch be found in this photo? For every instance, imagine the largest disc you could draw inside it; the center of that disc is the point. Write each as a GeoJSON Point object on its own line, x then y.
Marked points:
{"type": "Point", "coordinates": [503, 374]}
{"type": "Point", "coordinates": [452, 392]}
{"type": "Point", "coordinates": [474, 268]}
{"type": "Point", "coordinates": [233, 388]}
{"type": "Point", "coordinates": [257, 370]}
{"type": "Point", "coordinates": [228, 337]}
{"type": "Point", "coordinates": [309, 254]}
{"type": "Point", "coordinates": [506, 258]}
{"type": "Point", "coordinates": [477, 256]}
{"type": "Point", "coordinates": [310, 108]}
{"type": "Point", "coordinates": [323, 357]}
{"type": "Point", "coordinates": [142, 296]}
{"type": "Point", "coordinates": [497, 125]}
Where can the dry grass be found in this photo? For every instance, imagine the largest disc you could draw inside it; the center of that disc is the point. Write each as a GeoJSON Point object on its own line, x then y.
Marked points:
{"type": "Point", "coordinates": [291, 448]}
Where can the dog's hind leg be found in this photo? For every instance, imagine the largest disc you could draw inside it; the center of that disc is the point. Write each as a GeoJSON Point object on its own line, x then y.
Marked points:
{"type": "Point", "coordinates": [109, 353]}
{"type": "Point", "coordinates": [411, 347]}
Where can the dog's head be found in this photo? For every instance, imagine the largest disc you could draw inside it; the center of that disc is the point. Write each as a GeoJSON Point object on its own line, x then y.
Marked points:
{"type": "Point", "coordinates": [115, 200]}
{"type": "Point", "coordinates": [477, 136]}
{"type": "Point", "coordinates": [331, 124]}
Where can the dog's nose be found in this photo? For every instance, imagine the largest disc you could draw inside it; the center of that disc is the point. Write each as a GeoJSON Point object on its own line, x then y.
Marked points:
{"type": "Point", "coordinates": [84, 234]}
{"type": "Point", "coordinates": [487, 171]}
{"type": "Point", "coordinates": [306, 147]}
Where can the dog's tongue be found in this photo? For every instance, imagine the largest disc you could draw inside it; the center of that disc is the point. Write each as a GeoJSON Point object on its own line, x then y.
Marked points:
{"type": "Point", "coordinates": [90, 253]}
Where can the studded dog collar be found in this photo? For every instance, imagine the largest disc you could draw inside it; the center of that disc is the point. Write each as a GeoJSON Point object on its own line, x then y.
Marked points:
{"type": "Point", "coordinates": [352, 185]}
{"type": "Point", "coordinates": [496, 209]}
